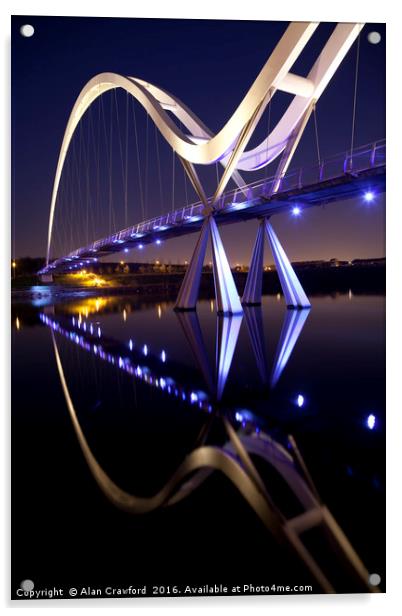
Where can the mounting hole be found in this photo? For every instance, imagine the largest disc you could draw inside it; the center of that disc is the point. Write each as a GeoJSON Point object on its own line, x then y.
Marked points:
{"type": "Point", "coordinates": [374, 38]}
{"type": "Point", "coordinates": [27, 30]}
{"type": "Point", "coordinates": [374, 579]}
{"type": "Point", "coordinates": [27, 585]}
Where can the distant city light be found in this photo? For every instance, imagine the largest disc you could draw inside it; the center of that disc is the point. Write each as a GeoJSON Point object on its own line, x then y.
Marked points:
{"type": "Point", "coordinates": [140, 246]}
{"type": "Point", "coordinates": [158, 242]}
{"type": "Point", "coordinates": [126, 250]}
{"type": "Point", "coordinates": [296, 211]}
{"type": "Point", "coordinates": [368, 196]}
{"type": "Point", "coordinates": [371, 421]}
{"type": "Point", "coordinates": [300, 401]}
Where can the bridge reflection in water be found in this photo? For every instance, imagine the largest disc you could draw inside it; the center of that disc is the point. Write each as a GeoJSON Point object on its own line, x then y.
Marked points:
{"type": "Point", "coordinates": [248, 441]}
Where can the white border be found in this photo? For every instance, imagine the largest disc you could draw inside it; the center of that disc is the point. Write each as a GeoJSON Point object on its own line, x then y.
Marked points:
{"type": "Point", "coordinates": [341, 10]}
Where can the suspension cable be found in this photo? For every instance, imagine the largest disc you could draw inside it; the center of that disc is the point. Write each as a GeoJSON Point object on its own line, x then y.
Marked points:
{"type": "Point", "coordinates": [126, 168]}
{"type": "Point", "coordinates": [185, 185]}
{"type": "Point", "coordinates": [268, 131]}
{"type": "Point", "coordinates": [93, 193]}
{"type": "Point", "coordinates": [146, 164]}
{"type": "Point", "coordinates": [138, 163]}
{"type": "Point", "coordinates": [355, 99]}
{"type": "Point", "coordinates": [110, 165]}
{"type": "Point", "coordinates": [88, 191]}
{"type": "Point", "coordinates": [120, 150]}
{"type": "Point", "coordinates": [184, 172]}
{"type": "Point", "coordinates": [316, 134]}
{"type": "Point", "coordinates": [173, 174]}
{"type": "Point", "coordinates": [159, 168]}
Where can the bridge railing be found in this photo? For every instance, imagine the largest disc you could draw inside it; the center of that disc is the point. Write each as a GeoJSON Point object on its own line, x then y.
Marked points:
{"type": "Point", "coordinates": [362, 158]}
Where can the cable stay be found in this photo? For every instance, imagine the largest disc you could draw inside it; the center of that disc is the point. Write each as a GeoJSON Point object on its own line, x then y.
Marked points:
{"type": "Point", "coordinates": [352, 140]}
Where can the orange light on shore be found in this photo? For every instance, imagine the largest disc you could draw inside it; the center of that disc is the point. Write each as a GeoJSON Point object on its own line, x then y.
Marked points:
{"type": "Point", "coordinates": [98, 282]}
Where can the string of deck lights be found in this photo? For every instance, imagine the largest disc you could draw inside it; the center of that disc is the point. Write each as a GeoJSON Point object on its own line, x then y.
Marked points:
{"type": "Point", "coordinates": [164, 383]}
{"type": "Point", "coordinates": [368, 196]}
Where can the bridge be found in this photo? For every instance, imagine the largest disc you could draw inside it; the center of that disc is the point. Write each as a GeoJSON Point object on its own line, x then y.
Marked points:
{"type": "Point", "coordinates": [358, 172]}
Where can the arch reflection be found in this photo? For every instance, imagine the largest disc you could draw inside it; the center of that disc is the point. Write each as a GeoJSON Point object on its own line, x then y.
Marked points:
{"type": "Point", "coordinates": [235, 460]}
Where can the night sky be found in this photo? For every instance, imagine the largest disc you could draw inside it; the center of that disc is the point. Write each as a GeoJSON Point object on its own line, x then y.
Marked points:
{"type": "Point", "coordinates": [209, 65]}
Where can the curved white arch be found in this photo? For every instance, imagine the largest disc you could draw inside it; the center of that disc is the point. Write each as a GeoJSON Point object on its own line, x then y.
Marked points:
{"type": "Point", "coordinates": [202, 147]}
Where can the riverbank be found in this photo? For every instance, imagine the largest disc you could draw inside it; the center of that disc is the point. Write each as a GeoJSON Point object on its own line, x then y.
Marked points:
{"type": "Point", "coordinates": [156, 286]}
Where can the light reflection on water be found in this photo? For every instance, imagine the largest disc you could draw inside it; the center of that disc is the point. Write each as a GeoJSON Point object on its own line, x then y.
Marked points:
{"type": "Point", "coordinates": [315, 374]}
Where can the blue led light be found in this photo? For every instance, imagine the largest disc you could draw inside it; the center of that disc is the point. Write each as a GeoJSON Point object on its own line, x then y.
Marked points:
{"type": "Point", "coordinates": [368, 196]}
{"type": "Point", "coordinates": [371, 421]}
{"type": "Point", "coordinates": [145, 350]}
{"type": "Point", "coordinates": [163, 356]}
{"type": "Point", "coordinates": [296, 211]}
{"type": "Point", "coordinates": [300, 401]}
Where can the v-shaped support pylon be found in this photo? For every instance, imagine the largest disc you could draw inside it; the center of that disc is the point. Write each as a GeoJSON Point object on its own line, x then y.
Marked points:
{"type": "Point", "coordinates": [227, 298]}
{"type": "Point", "coordinates": [293, 291]}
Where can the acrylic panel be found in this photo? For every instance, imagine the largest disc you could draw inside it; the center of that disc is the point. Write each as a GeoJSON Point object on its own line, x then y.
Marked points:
{"type": "Point", "coordinates": [198, 296]}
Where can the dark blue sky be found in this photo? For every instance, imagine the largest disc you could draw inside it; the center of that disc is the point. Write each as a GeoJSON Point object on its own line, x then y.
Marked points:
{"type": "Point", "coordinates": [209, 65]}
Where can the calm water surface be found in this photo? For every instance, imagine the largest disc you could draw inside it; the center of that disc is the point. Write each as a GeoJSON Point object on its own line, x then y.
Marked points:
{"type": "Point", "coordinates": [148, 387]}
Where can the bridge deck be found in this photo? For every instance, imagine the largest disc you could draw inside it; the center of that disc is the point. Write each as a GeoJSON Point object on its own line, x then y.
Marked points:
{"type": "Point", "coordinates": [337, 179]}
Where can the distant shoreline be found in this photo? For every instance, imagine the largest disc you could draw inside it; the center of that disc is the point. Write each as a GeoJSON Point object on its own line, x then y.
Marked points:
{"type": "Point", "coordinates": [315, 280]}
